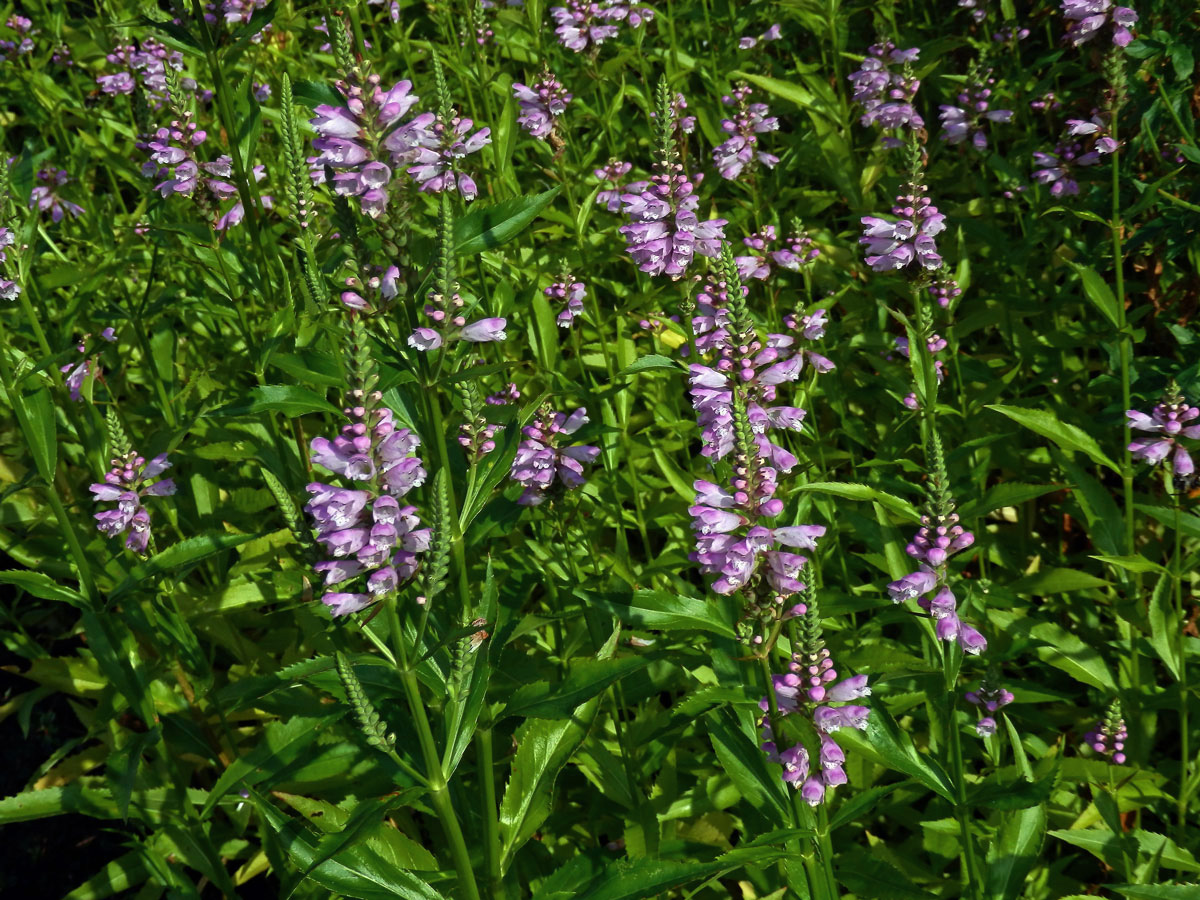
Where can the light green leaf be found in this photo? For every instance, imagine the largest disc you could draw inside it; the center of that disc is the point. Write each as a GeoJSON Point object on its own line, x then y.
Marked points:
{"type": "Point", "coordinates": [851, 491]}
{"type": "Point", "coordinates": [664, 611]}
{"type": "Point", "coordinates": [1065, 650]}
{"type": "Point", "coordinates": [1013, 852]}
{"type": "Point", "coordinates": [1056, 581]}
{"type": "Point", "coordinates": [1098, 292]}
{"type": "Point", "coordinates": [1164, 626]}
{"type": "Point", "coordinates": [289, 399]}
{"type": "Point", "coordinates": [177, 557]}
{"type": "Point", "coordinates": [1069, 437]}
{"type": "Point", "coordinates": [649, 363]}
{"type": "Point", "coordinates": [487, 227]}
{"type": "Point", "coordinates": [886, 743]}
{"type": "Point", "coordinates": [585, 679]}
{"type": "Point", "coordinates": [41, 585]}
{"type": "Point", "coordinates": [1009, 493]}
{"type": "Point", "coordinates": [279, 745]}
{"type": "Point", "coordinates": [1131, 563]}
{"type": "Point", "coordinates": [1157, 891]}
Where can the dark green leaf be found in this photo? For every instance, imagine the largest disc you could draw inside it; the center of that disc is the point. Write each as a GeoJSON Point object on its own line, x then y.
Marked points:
{"type": "Point", "coordinates": [487, 227]}
{"type": "Point", "coordinates": [289, 399]}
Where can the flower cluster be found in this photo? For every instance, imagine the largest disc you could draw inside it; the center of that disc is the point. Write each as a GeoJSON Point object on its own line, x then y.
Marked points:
{"type": "Point", "coordinates": [9, 290]}
{"type": "Point", "coordinates": [439, 144]}
{"type": "Point", "coordinates": [541, 105]}
{"type": "Point", "coordinates": [665, 233]}
{"type": "Point", "coordinates": [978, 8]}
{"type": "Point", "coordinates": [446, 314]}
{"type": "Point", "coordinates": [570, 293]}
{"type": "Point", "coordinates": [541, 461]}
{"type": "Point", "coordinates": [382, 284]}
{"type": "Point", "coordinates": [944, 289]}
{"type": "Point", "coordinates": [1085, 19]}
{"type": "Point", "coordinates": [354, 140]}
{"type": "Point", "coordinates": [24, 37]}
{"type": "Point", "coordinates": [885, 95]}
{"type": "Point", "coordinates": [939, 537]}
{"type": "Point", "coordinates": [798, 251]}
{"type": "Point", "coordinates": [612, 173]}
{"type": "Point", "coordinates": [808, 690]}
{"type": "Point", "coordinates": [1085, 143]}
{"type": "Point", "coordinates": [128, 482]}
{"type": "Point", "coordinates": [896, 245]}
{"type": "Point", "coordinates": [478, 436]}
{"type": "Point", "coordinates": [967, 119]}
{"type": "Point", "coordinates": [151, 59]}
{"type": "Point", "coordinates": [740, 152]}
{"type": "Point", "coordinates": [585, 25]}
{"type": "Point", "coordinates": [365, 529]}
{"type": "Point", "coordinates": [77, 373]}
{"type": "Point", "coordinates": [1166, 426]}
{"type": "Point", "coordinates": [45, 195]}
{"type": "Point", "coordinates": [749, 42]}
{"type": "Point", "coordinates": [989, 700]}
{"type": "Point", "coordinates": [1109, 736]}
{"type": "Point", "coordinates": [173, 160]}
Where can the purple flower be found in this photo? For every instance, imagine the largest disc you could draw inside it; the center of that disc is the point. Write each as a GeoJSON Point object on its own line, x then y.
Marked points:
{"type": "Point", "coordinates": [45, 195]}
{"type": "Point", "coordinates": [541, 463]}
{"type": "Point", "coordinates": [612, 173]}
{"type": "Point", "coordinates": [886, 96]}
{"type": "Point", "coordinates": [740, 152]}
{"type": "Point", "coordinates": [484, 331]}
{"type": "Point", "coordinates": [570, 293]}
{"type": "Point", "coordinates": [541, 105]}
{"type": "Point", "coordinates": [1166, 426]}
{"type": "Point", "coordinates": [127, 483]}
{"type": "Point", "coordinates": [1085, 19]}
{"type": "Point", "coordinates": [151, 60]}
{"type": "Point", "coordinates": [1109, 736]}
{"type": "Point", "coordinates": [967, 120]}
{"type": "Point", "coordinates": [913, 585]}
{"type": "Point", "coordinates": [665, 233]}
{"type": "Point", "coordinates": [364, 528]}
{"type": "Point", "coordinates": [433, 150]}
{"type": "Point", "coordinates": [896, 245]}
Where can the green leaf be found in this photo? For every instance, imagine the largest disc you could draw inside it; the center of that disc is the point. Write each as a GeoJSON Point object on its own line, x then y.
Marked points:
{"type": "Point", "coordinates": [1056, 581]}
{"type": "Point", "coordinates": [758, 781]}
{"type": "Point", "coordinates": [279, 746]}
{"type": "Point", "coordinates": [1069, 437]}
{"type": "Point", "coordinates": [487, 227]}
{"type": "Point", "coordinates": [1103, 516]}
{"type": "Point", "coordinates": [462, 713]}
{"type": "Point", "coordinates": [585, 679]}
{"type": "Point", "coordinates": [316, 93]}
{"type": "Point", "coordinates": [664, 611]}
{"type": "Point", "coordinates": [1067, 651]}
{"type": "Point", "coordinates": [122, 874]}
{"type": "Point", "coordinates": [862, 802]}
{"type": "Point", "coordinates": [872, 878]}
{"type": "Point", "coordinates": [1164, 626]}
{"type": "Point", "coordinates": [1010, 493]}
{"type": "Point", "coordinates": [1098, 292]}
{"type": "Point", "coordinates": [357, 872]}
{"type": "Point", "coordinates": [36, 407]}
{"type": "Point", "coordinates": [1013, 852]}
{"type": "Point", "coordinates": [650, 363]}
{"type": "Point", "coordinates": [850, 491]}
{"type": "Point", "coordinates": [1105, 845]}
{"type": "Point", "coordinates": [785, 90]}
{"type": "Point", "coordinates": [42, 586]}
{"type": "Point", "coordinates": [886, 743]}
{"type": "Point", "coordinates": [289, 399]}
{"type": "Point", "coordinates": [637, 879]}
{"type": "Point", "coordinates": [996, 793]}
{"type": "Point", "coordinates": [1157, 891]}
{"type": "Point", "coordinates": [1131, 563]}
{"type": "Point", "coordinates": [543, 747]}
{"type": "Point", "coordinates": [177, 557]}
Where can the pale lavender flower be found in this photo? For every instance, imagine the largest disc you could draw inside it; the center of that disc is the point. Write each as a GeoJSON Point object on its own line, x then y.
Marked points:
{"type": "Point", "coordinates": [45, 195]}
{"type": "Point", "coordinates": [128, 483]}
{"type": "Point", "coordinates": [886, 95]}
{"type": "Point", "coordinates": [542, 465]}
{"type": "Point", "coordinates": [740, 152]}
{"type": "Point", "coordinates": [434, 149]}
{"type": "Point", "coordinates": [989, 699]}
{"type": "Point", "coordinates": [896, 245]}
{"type": "Point", "coordinates": [1086, 18]}
{"type": "Point", "coordinates": [570, 293]}
{"type": "Point", "coordinates": [150, 60]}
{"type": "Point", "coordinates": [582, 25]}
{"type": "Point", "coordinates": [76, 374]}
{"type": "Point", "coordinates": [364, 529]}
{"type": "Point", "coordinates": [967, 120]}
{"type": "Point", "coordinates": [665, 233]}
{"type": "Point", "coordinates": [771, 34]}
{"type": "Point", "coordinates": [541, 105]}
{"type": "Point", "coordinates": [1166, 427]}
{"type": "Point", "coordinates": [612, 173]}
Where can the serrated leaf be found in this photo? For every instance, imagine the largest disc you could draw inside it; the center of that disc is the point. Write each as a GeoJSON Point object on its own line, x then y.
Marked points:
{"type": "Point", "coordinates": [649, 363]}
{"type": "Point", "coordinates": [1013, 853]}
{"type": "Point", "coordinates": [1056, 581]}
{"type": "Point", "coordinates": [41, 585]}
{"type": "Point", "coordinates": [663, 611]}
{"type": "Point", "coordinates": [851, 491]}
{"type": "Point", "coordinates": [585, 679]}
{"type": "Point", "coordinates": [1069, 437]}
{"type": "Point", "coordinates": [487, 227]}
{"type": "Point", "coordinates": [874, 879]}
{"type": "Point", "coordinates": [886, 743]}
{"type": "Point", "coordinates": [178, 556]}
{"type": "Point", "coordinates": [1131, 563]}
{"type": "Point", "coordinates": [279, 745]}
{"type": "Point", "coordinates": [1067, 651]}
{"type": "Point", "coordinates": [289, 399]}
{"type": "Point", "coordinates": [1164, 624]}
{"type": "Point", "coordinates": [1157, 891]}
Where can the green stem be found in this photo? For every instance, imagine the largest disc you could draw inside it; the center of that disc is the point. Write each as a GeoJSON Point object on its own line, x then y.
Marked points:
{"type": "Point", "coordinates": [1177, 584]}
{"type": "Point", "coordinates": [962, 811]}
{"type": "Point", "coordinates": [438, 795]}
{"type": "Point", "coordinates": [491, 824]}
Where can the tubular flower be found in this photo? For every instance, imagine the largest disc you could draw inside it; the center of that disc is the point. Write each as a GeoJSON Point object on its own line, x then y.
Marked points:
{"type": "Point", "coordinates": [664, 233]}
{"type": "Point", "coordinates": [541, 464]}
{"type": "Point", "coordinates": [989, 700]}
{"type": "Point", "coordinates": [896, 245]}
{"type": "Point", "coordinates": [363, 142]}
{"type": "Point", "coordinates": [151, 60]}
{"type": "Point", "coordinates": [75, 374]}
{"type": "Point", "coordinates": [612, 173]}
{"type": "Point", "coordinates": [570, 294]}
{"type": "Point", "coordinates": [449, 324]}
{"type": "Point", "coordinates": [45, 195]}
{"type": "Point", "coordinates": [128, 483]}
{"type": "Point", "coordinates": [967, 120]}
{"type": "Point", "coordinates": [541, 105]}
{"type": "Point", "coordinates": [1166, 428]}
{"type": "Point", "coordinates": [1086, 18]}
{"type": "Point", "coordinates": [885, 95]}
{"type": "Point", "coordinates": [432, 148]}
{"type": "Point", "coordinates": [740, 152]}
{"type": "Point", "coordinates": [364, 529]}
{"type": "Point", "coordinates": [1109, 736]}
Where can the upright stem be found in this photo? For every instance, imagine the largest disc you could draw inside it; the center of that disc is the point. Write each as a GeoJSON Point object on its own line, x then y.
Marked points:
{"type": "Point", "coordinates": [971, 873]}
{"type": "Point", "coordinates": [1184, 757]}
{"type": "Point", "coordinates": [491, 824]}
{"type": "Point", "coordinates": [439, 795]}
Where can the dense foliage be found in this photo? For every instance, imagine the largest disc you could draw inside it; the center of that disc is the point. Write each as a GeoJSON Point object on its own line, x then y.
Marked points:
{"type": "Point", "coordinates": [608, 450]}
